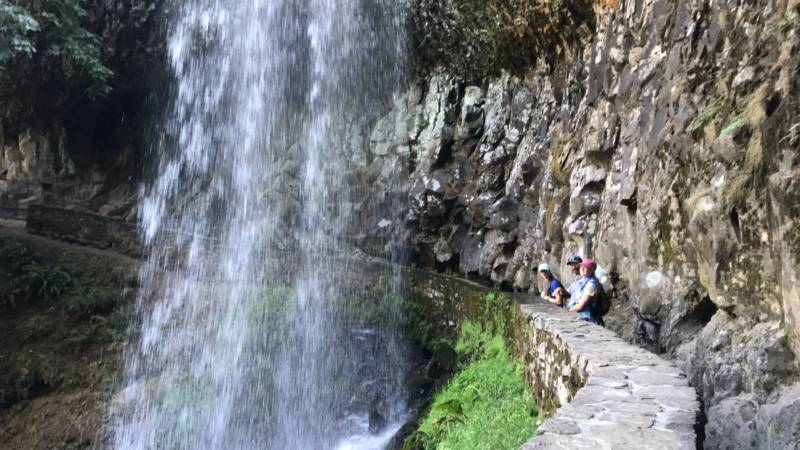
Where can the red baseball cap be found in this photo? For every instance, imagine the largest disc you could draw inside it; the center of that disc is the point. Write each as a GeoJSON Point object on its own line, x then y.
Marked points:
{"type": "Point", "coordinates": [589, 264]}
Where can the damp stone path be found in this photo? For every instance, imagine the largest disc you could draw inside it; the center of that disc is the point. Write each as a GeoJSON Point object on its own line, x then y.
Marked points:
{"type": "Point", "coordinates": [609, 394]}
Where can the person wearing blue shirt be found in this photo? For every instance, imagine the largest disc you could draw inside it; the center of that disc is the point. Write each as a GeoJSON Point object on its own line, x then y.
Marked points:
{"type": "Point", "coordinates": [554, 291]}
{"type": "Point", "coordinates": [574, 264]}
{"type": "Point", "coordinates": [584, 302]}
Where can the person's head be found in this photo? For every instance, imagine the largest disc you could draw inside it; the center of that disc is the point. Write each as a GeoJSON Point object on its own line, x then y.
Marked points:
{"type": "Point", "coordinates": [574, 263]}
{"type": "Point", "coordinates": [544, 271]}
{"type": "Point", "coordinates": [588, 267]}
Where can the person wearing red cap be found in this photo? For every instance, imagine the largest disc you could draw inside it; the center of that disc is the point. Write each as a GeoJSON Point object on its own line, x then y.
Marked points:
{"type": "Point", "coordinates": [588, 294]}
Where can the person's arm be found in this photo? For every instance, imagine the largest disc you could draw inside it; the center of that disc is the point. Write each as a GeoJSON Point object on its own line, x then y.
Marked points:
{"type": "Point", "coordinates": [558, 296]}
{"type": "Point", "coordinates": [555, 298]}
{"type": "Point", "coordinates": [590, 292]}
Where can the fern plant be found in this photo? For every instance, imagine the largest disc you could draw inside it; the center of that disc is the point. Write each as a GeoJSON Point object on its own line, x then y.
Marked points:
{"type": "Point", "coordinates": [48, 282]}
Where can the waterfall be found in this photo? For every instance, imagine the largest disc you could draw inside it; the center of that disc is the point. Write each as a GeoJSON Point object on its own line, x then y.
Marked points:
{"type": "Point", "coordinates": [246, 336]}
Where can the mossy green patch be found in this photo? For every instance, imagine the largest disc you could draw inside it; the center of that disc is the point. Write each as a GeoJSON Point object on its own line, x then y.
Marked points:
{"type": "Point", "coordinates": [550, 224]}
{"type": "Point", "coordinates": [788, 23]}
{"type": "Point", "coordinates": [662, 242]}
{"type": "Point", "coordinates": [177, 404]}
{"type": "Point", "coordinates": [375, 308]}
{"type": "Point", "coordinates": [560, 164]}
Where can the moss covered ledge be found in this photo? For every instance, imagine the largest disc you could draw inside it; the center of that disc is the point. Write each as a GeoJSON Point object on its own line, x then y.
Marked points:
{"type": "Point", "coordinates": [605, 393]}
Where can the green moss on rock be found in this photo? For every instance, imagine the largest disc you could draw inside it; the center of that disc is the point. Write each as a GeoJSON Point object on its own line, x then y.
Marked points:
{"type": "Point", "coordinates": [661, 243]}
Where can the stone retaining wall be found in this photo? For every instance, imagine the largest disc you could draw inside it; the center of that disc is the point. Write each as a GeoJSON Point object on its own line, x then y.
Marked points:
{"type": "Point", "coordinates": [608, 393]}
{"type": "Point", "coordinates": [84, 228]}
{"type": "Point", "coordinates": [599, 391]}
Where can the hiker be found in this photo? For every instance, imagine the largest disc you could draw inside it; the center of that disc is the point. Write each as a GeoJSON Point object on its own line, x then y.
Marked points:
{"type": "Point", "coordinates": [585, 303]}
{"type": "Point", "coordinates": [554, 291]}
{"type": "Point", "coordinates": [574, 264]}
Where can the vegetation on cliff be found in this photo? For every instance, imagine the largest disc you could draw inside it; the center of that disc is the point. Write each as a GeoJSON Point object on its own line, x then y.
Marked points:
{"type": "Point", "coordinates": [488, 403]}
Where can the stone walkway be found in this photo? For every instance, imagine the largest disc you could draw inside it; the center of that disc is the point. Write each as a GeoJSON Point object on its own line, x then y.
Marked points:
{"type": "Point", "coordinates": [632, 399]}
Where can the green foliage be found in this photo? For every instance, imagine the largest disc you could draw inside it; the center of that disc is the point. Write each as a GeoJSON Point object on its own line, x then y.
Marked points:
{"type": "Point", "coordinates": [16, 27]}
{"type": "Point", "coordinates": [421, 323]}
{"type": "Point", "coordinates": [89, 304]}
{"type": "Point", "coordinates": [577, 88]}
{"type": "Point", "coordinates": [101, 312]}
{"type": "Point", "coordinates": [47, 282]}
{"type": "Point", "coordinates": [58, 30]}
{"type": "Point", "coordinates": [496, 311]}
{"type": "Point", "coordinates": [487, 405]}
{"type": "Point", "coordinates": [737, 123]}
{"type": "Point", "coordinates": [473, 340]}
{"type": "Point", "coordinates": [706, 116]}
{"type": "Point", "coordinates": [91, 300]}
{"type": "Point", "coordinates": [64, 22]}
{"type": "Point", "coordinates": [14, 257]}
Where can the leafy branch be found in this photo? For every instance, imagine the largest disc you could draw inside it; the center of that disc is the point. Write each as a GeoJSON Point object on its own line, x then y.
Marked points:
{"type": "Point", "coordinates": [55, 29]}
{"type": "Point", "coordinates": [16, 26]}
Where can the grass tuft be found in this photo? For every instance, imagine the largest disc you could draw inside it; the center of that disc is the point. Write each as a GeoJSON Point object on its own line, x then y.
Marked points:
{"type": "Point", "coordinates": [487, 405]}
{"type": "Point", "coordinates": [737, 123]}
{"type": "Point", "coordinates": [706, 116]}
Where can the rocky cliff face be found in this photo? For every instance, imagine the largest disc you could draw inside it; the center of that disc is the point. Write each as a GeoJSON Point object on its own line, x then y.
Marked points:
{"type": "Point", "coordinates": [664, 143]}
